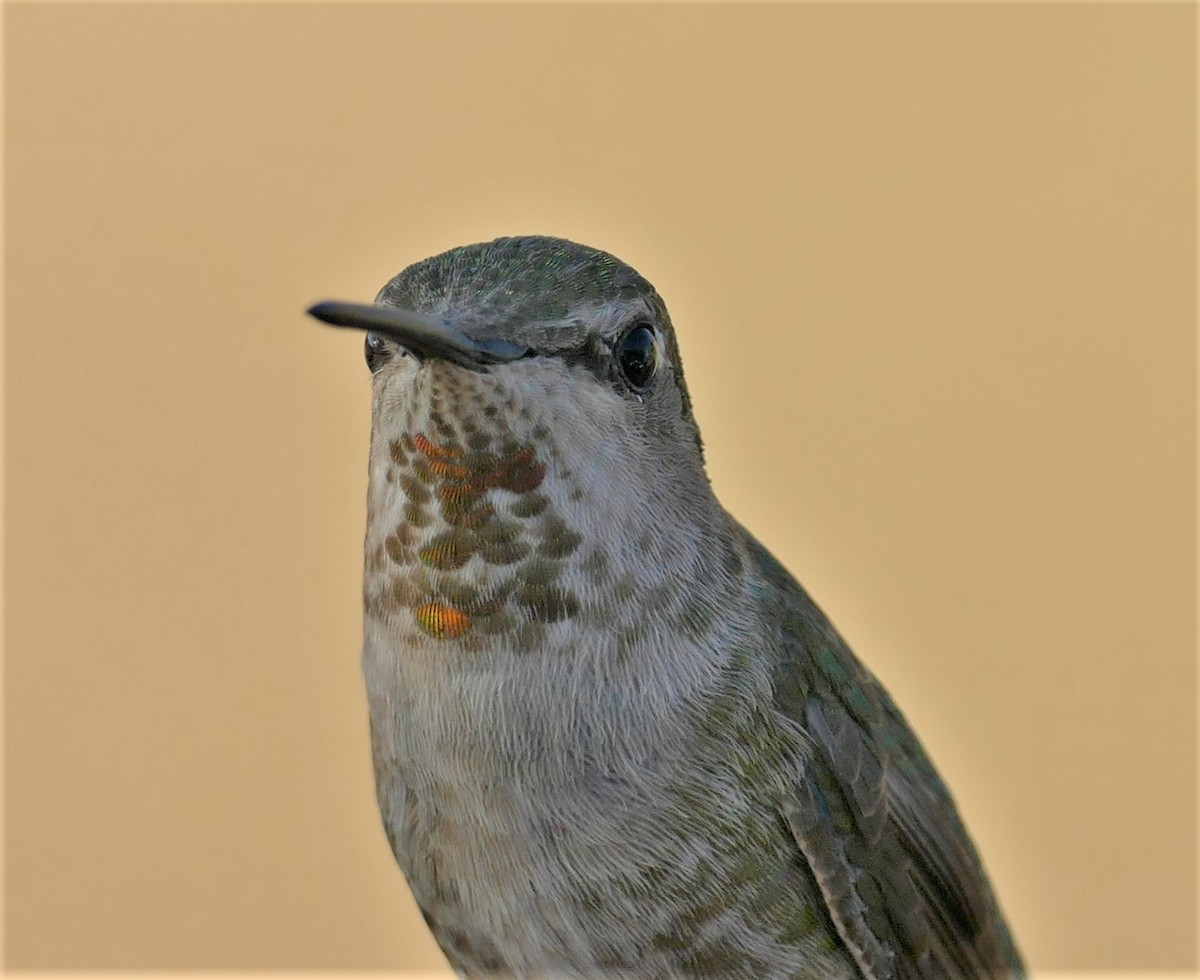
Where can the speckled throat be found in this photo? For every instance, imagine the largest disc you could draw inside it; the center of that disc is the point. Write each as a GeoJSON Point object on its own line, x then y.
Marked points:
{"type": "Point", "coordinates": [478, 529]}
{"type": "Point", "coordinates": [462, 539]}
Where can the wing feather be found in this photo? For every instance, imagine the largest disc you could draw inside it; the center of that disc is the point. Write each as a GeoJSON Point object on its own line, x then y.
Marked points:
{"type": "Point", "coordinates": [899, 876]}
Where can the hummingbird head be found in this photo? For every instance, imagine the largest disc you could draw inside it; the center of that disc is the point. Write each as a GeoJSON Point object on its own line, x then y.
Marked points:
{"type": "Point", "coordinates": [533, 446]}
{"type": "Point", "coordinates": [570, 329]}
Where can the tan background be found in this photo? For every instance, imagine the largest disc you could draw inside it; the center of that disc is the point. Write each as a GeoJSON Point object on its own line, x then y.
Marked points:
{"type": "Point", "coordinates": [931, 266]}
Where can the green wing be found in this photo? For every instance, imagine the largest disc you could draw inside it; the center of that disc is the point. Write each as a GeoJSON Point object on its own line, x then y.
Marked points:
{"type": "Point", "coordinates": [901, 881]}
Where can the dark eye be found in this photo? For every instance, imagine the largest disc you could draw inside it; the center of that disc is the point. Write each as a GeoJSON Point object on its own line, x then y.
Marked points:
{"type": "Point", "coordinates": [376, 350]}
{"type": "Point", "coordinates": [637, 354]}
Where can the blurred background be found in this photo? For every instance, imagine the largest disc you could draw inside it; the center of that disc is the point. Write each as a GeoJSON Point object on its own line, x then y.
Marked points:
{"type": "Point", "coordinates": [932, 271]}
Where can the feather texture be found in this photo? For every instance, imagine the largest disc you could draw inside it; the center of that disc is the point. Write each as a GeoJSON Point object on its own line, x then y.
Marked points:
{"type": "Point", "coordinates": [900, 878]}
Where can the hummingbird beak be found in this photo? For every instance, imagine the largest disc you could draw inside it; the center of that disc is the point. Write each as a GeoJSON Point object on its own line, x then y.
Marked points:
{"type": "Point", "coordinates": [421, 334]}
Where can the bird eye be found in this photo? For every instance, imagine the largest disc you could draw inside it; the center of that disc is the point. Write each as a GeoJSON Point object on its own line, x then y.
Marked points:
{"type": "Point", "coordinates": [376, 351]}
{"type": "Point", "coordinates": [637, 354]}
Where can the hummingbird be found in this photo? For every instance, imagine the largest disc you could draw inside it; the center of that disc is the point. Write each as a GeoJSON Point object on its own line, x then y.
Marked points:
{"type": "Point", "coordinates": [611, 734]}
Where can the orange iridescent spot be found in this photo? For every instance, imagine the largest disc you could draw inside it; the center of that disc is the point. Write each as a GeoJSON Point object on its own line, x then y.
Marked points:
{"type": "Point", "coordinates": [465, 477]}
{"type": "Point", "coordinates": [442, 622]}
{"type": "Point", "coordinates": [442, 468]}
{"type": "Point", "coordinates": [432, 450]}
